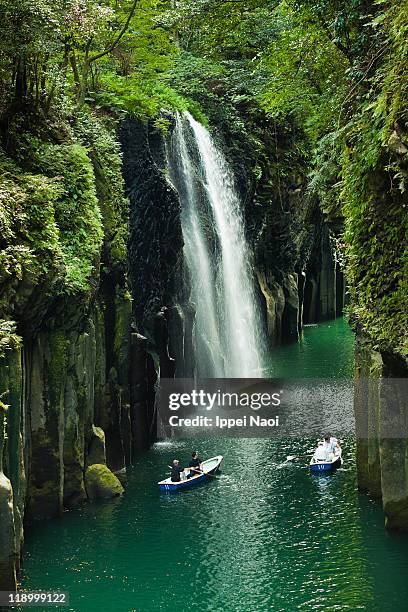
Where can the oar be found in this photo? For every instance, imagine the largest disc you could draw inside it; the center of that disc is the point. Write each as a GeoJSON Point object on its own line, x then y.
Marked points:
{"type": "Point", "coordinates": [206, 473]}
{"type": "Point", "coordinates": [192, 470]}
{"type": "Point", "coordinates": [198, 472]}
{"type": "Point", "coordinates": [291, 457]}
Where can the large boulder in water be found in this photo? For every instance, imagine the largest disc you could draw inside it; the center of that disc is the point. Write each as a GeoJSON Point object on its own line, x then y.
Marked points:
{"type": "Point", "coordinates": [101, 483]}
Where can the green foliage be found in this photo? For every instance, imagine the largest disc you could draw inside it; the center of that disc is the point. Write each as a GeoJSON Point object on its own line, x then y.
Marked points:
{"type": "Point", "coordinates": [375, 164]}
{"type": "Point", "coordinates": [305, 90]}
{"type": "Point", "coordinates": [205, 82]}
{"type": "Point", "coordinates": [104, 152]}
{"type": "Point", "coordinates": [337, 73]}
{"type": "Point", "coordinates": [376, 251]}
{"type": "Point", "coordinates": [360, 172]}
{"type": "Point", "coordinates": [77, 213]}
{"type": "Point", "coordinates": [50, 221]}
{"type": "Point", "coordinates": [306, 72]}
{"type": "Point", "coordinates": [325, 180]}
{"type": "Point", "coordinates": [8, 339]}
{"type": "Point", "coordinates": [60, 55]}
{"type": "Point", "coordinates": [144, 100]}
{"type": "Point", "coordinates": [29, 242]}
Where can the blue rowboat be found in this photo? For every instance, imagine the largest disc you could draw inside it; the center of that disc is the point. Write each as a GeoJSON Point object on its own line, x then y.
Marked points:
{"type": "Point", "coordinates": [326, 464]}
{"type": "Point", "coordinates": [208, 467]}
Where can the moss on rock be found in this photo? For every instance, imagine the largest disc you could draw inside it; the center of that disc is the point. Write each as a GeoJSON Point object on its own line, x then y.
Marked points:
{"type": "Point", "coordinates": [101, 483]}
{"type": "Point", "coordinates": [104, 152]}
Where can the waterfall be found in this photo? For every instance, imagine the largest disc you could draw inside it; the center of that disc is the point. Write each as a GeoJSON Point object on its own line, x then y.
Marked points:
{"type": "Point", "coordinates": [228, 331]}
{"type": "Point", "coordinates": [198, 259]}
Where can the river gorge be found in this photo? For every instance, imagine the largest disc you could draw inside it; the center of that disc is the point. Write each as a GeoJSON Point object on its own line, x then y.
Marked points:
{"type": "Point", "coordinates": [294, 539]}
{"type": "Point", "coordinates": [209, 307]}
{"type": "Point", "coordinates": [199, 191]}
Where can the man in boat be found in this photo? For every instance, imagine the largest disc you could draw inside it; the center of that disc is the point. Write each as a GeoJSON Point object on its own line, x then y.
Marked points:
{"type": "Point", "coordinates": [176, 471]}
{"type": "Point", "coordinates": [330, 444]}
{"type": "Point", "coordinates": [194, 464]}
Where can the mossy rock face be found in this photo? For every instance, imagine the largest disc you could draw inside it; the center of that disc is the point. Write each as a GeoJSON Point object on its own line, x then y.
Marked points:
{"type": "Point", "coordinates": [101, 483]}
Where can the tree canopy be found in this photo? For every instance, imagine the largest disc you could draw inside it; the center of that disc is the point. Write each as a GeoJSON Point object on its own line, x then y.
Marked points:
{"type": "Point", "coordinates": [332, 73]}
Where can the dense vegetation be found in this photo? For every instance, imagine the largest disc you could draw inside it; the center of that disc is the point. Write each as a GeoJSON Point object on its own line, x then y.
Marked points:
{"type": "Point", "coordinates": [335, 73]}
{"type": "Point", "coordinates": [330, 76]}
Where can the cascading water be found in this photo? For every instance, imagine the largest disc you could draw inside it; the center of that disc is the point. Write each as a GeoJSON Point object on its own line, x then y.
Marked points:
{"type": "Point", "coordinates": [228, 331]}
{"type": "Point", "coordinates": [198, 259]}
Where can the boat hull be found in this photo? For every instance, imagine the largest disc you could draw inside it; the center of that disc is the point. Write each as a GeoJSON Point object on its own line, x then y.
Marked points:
{"type": "Point", "coordinates": [324, 466]}
{"type": "Point", "coordinates": [169, 487]}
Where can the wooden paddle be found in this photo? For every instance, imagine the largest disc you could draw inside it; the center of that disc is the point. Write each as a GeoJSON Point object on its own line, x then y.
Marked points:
{"type": "Point", "coordinates": [201, 472]}
{"type": "Point", "coordinates": [291, 457]}
{"type": "Point", "coordinates": [192, 469]}
{"type": "Point", "coordinates": [197, 471]}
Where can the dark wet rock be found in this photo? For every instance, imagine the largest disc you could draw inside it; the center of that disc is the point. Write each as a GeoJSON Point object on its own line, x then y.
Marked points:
{"type": "Point", "coordinates": [396, 144]}
{"type": "Point", "coordinates": [155, 231]}
{"type": "Point", "coordinates": [380, 406]}
{"type": "Point", "coordinates": [68, 382]}
{"type": "Point", "coordinates": [96, 449]}
{"type": "Point", "coordinates": [8, 552]}
{"type": "Point", "coordinates": [274, 305]}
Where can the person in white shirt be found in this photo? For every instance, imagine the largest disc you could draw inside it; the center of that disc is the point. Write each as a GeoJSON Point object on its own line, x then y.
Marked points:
{"type": "Point", "coordinates": [330, 444]}
{"type": "Point", "coordinates": [320, 453]}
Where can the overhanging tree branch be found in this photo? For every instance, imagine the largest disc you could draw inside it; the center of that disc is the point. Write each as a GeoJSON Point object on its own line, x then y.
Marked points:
{"type": "Point", "coordinates": [111, 47]}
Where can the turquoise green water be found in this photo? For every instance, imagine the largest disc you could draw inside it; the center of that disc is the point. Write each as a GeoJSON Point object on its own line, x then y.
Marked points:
{"type": "Point", "coordinates": [262, 536]}
{"type": "Point", "coordinates": [325, 351]}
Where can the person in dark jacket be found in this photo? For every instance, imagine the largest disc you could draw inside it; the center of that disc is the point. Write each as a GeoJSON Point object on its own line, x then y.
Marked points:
{"type": "Point", "coordinates": [176, 470]}
{"type": "Point", "coordinates": [194, 464]}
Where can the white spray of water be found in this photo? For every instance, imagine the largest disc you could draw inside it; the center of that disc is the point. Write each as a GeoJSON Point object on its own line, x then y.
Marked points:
{"type": "Point", "coordinates": [199, 263]}
{"type": "Point", "coordinates": [228, 328]}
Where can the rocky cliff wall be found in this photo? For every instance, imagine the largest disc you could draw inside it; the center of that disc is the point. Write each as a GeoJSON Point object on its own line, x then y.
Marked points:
{"type": "Point", "coordinates": [76, 379]}
{"type": "Point", "coordinates": [299, 274]}
{"type": "Point", "coordinates": [77, 393]}
{"type": "Point", "coordinates": [381, 410]}
{"type": "Point", "coordinates": [155, 239]}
